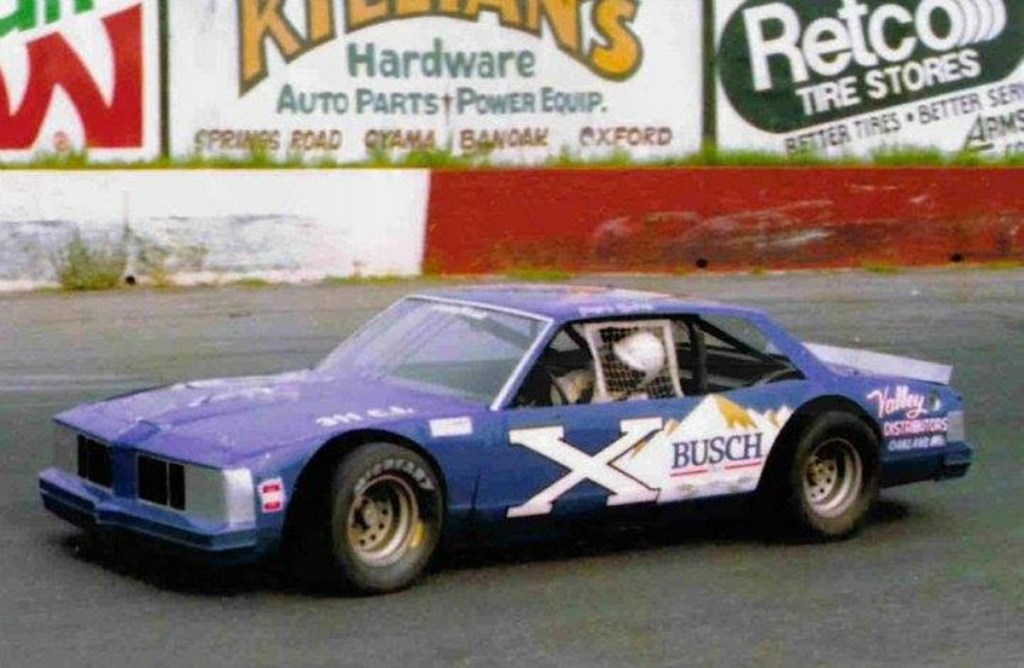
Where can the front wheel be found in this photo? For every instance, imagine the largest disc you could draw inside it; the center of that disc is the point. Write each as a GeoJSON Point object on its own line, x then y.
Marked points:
{"type": "Point", "coordinates": [386, 514]}
{"type": "Point", "coordinates": [831, 480]}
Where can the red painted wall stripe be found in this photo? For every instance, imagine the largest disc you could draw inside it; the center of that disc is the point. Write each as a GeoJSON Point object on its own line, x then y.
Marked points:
{"type": "Point", "coordinates": [732, 218]}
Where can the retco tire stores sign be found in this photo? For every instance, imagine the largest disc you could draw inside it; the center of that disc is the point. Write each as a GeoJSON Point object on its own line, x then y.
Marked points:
{"type": "Point", "coordinates": [841, 76]}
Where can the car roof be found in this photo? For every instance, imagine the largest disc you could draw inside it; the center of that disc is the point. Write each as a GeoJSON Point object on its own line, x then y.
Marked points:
{"type": "Point", "coordinates": [575, 302]}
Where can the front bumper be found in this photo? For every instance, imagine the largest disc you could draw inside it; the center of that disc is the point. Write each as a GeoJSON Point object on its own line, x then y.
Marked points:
{"type": "Point", "coordinates": [91, 506]}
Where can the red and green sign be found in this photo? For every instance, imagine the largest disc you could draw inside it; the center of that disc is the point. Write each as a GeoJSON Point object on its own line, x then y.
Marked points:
{"type": "Point", "coordinates": [79, 75]}
{"type": "Point", "coordinates": [795, 64]}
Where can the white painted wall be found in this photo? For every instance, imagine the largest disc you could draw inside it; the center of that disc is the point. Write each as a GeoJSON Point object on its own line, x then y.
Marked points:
{"type": "Point", "coordinates": [275, 224]}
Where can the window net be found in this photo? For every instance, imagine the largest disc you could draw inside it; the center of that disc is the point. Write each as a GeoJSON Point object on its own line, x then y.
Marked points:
{"type": "Point", "coordinates": [617, 381]}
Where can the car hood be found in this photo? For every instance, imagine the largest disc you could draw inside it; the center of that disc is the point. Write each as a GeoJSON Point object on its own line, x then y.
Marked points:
{"type": "Point", "coordinates": [237, 417]}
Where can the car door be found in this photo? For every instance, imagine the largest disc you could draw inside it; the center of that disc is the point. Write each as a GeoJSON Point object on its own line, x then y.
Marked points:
{"type": "Point", "coordinates": [569, 456]}
{"type": "Point", "coordinates": [712, 440]}
{"type": "Point", "coordinates": [572, 459]}
{"type": "Point", "coordinates": [745, 391]}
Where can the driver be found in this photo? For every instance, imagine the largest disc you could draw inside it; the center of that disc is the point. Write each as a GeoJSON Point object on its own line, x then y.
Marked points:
{"type": "Point", "coordinates": [577, 387]}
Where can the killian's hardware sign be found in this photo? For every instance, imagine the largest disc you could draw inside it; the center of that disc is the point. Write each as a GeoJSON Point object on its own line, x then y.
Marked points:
{"type": "Point", "coordinates": [613, 52]}
{"type": "Point", "coordinates": [515, 80]}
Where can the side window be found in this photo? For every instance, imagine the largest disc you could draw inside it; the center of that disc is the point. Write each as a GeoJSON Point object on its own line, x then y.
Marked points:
{"type": "Point", "coordinates": [563, 374]}
{"type": "Point", "coordinates": [726, 353]}
{"type": "Point", "coordinates": [605, 362]}
{"type": "Point", "coordinates": [727, 332]}
{"type": "Point", "coordinates": [690, 356]}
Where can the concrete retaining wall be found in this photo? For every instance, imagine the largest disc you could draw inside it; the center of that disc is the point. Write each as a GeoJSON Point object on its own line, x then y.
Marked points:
{"type": "Point", "coordinates": [279, 224]}
{"type": "Point", "coordinates": [722, 218]}
{"type": "Point", "coordinates": [304, 225]}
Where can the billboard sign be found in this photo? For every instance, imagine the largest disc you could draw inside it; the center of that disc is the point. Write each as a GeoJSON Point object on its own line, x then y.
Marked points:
{"type": "Point", "coordinates": [518, 80]}
{"type": "Point", "coordinates": [79, 75]}
{"type": "Point", "coordinates": [847, 76]}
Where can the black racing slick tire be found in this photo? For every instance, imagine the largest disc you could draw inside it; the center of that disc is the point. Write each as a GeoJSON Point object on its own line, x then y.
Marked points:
{"type": "Point", "coordinates": [828, 482]}
{"type": "Point", "coordinates": [385, 518]}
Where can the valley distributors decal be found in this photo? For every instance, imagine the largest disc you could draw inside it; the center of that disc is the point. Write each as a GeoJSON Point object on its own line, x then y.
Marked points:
{"type": "Point", "coordinates": [522, 80]}
{"type": "Point", "coordinates": [835, 74]}
{"type": "Point", "coordinates": [79, 75]}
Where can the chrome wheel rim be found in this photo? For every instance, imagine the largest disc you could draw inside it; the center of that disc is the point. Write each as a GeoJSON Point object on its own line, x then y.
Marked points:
{"type": "Point", "coordinates": [832, 477]}
{"type": "Point", "coordinates": [383, 520]}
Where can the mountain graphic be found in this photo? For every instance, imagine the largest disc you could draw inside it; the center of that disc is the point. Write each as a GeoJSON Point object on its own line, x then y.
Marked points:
{"type": "Point", "coordinates": [653, 461]}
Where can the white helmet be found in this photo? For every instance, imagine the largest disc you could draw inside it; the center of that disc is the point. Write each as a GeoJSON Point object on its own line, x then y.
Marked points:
{"type": "Point", "coordinates": [642, 352]}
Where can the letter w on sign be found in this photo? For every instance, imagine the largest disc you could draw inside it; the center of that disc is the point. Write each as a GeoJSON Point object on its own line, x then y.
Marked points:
{"type": "Point", "coordinates": [53, 64]}
{"type": "Point", "coordinates": [549, 442]}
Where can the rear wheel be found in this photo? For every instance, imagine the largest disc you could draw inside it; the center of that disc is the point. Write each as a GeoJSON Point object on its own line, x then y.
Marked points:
{"type": "Point", "coordinates": [830, 479]}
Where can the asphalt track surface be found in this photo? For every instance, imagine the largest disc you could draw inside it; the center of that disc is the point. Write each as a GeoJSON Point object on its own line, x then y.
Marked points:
{"type": "Point", "coordinates": [936, 578]}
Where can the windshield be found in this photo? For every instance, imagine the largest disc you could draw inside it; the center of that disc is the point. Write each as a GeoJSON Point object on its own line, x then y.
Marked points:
{"type": "Point", "coordinates": [438, 346]}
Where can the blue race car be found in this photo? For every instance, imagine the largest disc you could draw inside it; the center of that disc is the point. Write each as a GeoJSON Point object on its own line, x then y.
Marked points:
{"type": "Point", "coordinates": [500, 407]}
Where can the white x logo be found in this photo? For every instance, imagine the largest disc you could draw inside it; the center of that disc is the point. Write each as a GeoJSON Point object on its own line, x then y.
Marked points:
{"type": "Point", "coordinates": [549, 441]}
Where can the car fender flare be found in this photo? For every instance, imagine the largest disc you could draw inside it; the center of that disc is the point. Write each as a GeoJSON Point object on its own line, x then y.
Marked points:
{"type": "Point", "coordinates": [801, 420]}
{"type": "Point", "coordinates": [317, 470]}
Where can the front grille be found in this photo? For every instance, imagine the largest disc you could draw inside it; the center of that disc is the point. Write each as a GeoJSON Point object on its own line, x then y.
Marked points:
{"type": "Point", "coordinates": [161, 482]}
{"type": "Point", "coordinates": [94, 462]}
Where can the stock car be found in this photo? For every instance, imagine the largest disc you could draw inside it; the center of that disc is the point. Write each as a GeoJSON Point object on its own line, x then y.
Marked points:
{"type": "Point", "coordinates": [502, 406]}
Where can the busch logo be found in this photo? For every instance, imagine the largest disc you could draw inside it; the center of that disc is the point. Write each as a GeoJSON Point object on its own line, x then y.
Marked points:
{"type": "Point", "coordinates": [740, 451]}
{"type": "Point", "coordinates": [52, 63]}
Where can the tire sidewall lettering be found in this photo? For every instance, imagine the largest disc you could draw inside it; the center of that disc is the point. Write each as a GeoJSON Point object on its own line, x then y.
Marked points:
{"type": "Point", "coordinates": [406, 467]}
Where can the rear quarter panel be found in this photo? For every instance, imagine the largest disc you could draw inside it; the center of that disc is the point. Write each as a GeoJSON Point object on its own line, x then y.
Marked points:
{"type": "Point", "coordinates": [912, 419]}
